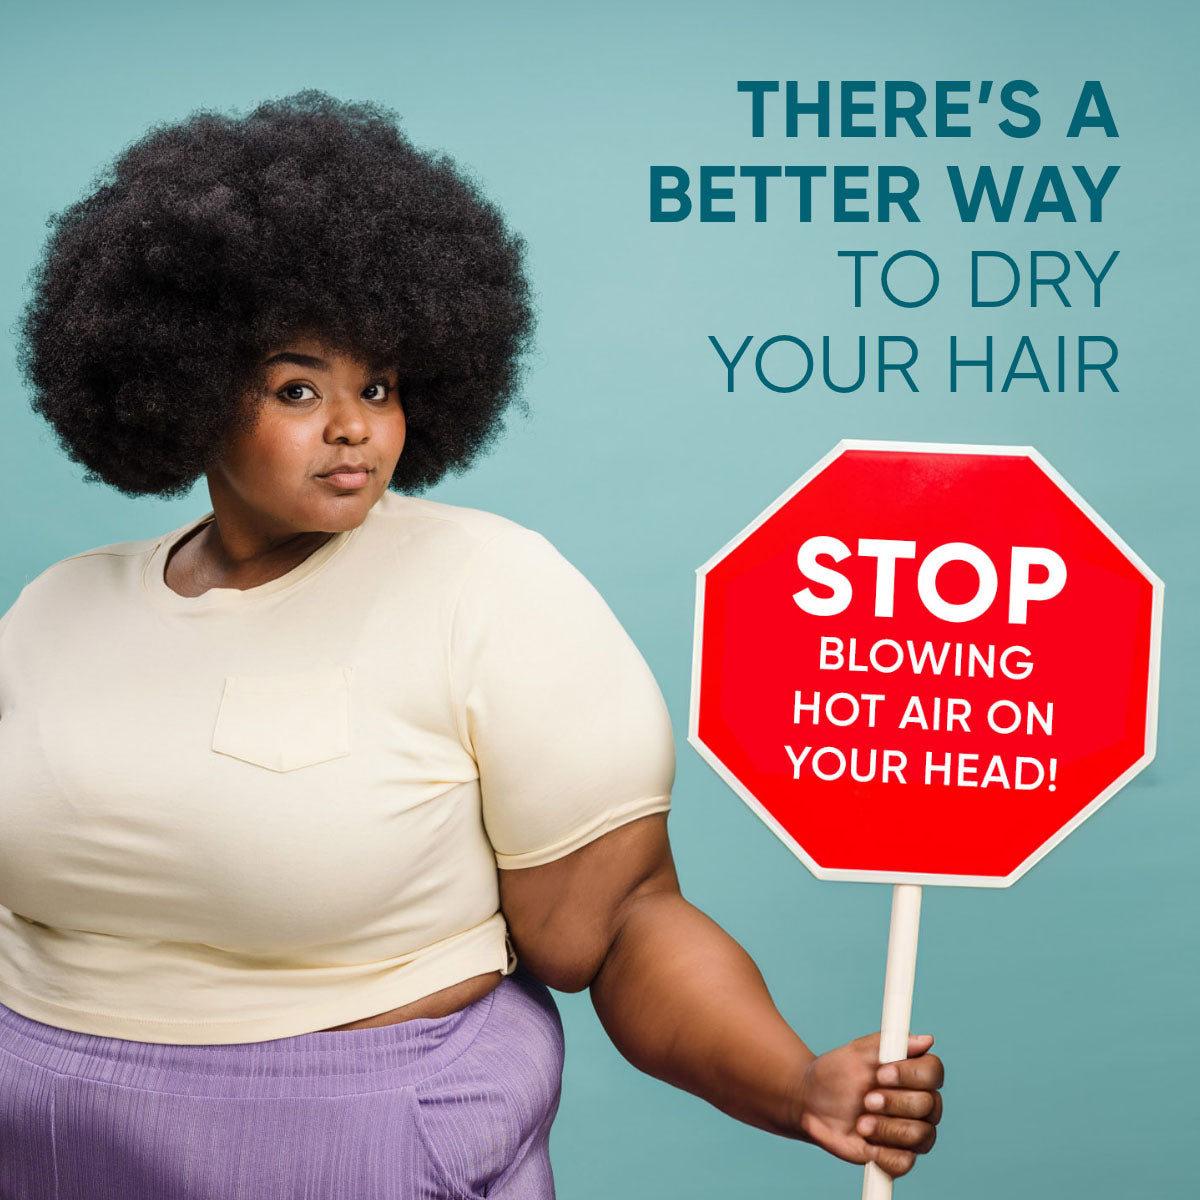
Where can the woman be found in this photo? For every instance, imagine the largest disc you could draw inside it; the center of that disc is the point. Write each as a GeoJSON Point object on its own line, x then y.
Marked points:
{"type": "Point", "coordinates": [290, 790]}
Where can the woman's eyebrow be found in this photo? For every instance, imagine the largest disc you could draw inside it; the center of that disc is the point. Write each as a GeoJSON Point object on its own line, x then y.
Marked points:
{"type": "Point", "coordinates": [297, 360]}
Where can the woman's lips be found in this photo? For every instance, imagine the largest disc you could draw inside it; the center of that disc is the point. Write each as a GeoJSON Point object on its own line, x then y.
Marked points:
{"type": "Point", "coordinates": [346, 480]}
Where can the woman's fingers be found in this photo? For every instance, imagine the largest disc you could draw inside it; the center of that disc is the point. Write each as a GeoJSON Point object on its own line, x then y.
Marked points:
{"type": "Point", "coordinates": [918, 1043]}
{"type": "Point", "coordinates": [895, 1162]}
{"type": "Point", "coordinates": [925, 1106]}
{"type": "Point", "coordinates": [925, 1073]}
{"type": "Point", "coordinates": [897, 1133]}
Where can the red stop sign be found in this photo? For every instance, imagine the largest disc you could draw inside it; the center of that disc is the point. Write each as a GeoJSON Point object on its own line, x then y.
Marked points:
{"type": "Point", "coordinates": [926, 664]}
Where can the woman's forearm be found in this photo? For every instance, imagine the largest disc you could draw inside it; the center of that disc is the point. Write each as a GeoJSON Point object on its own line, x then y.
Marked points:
{"type": "Point", "coordinates": [684, 1002]}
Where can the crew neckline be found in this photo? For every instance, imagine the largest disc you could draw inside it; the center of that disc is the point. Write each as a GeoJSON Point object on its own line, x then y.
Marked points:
{"type": "Point", "coordinates": [155, 583]}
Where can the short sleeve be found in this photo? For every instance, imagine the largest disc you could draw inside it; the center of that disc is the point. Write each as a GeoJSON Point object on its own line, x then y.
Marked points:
{"type": "Point", "coordinates": [8, 613]}
{"type": "Point", "coordinates": [559, 709]}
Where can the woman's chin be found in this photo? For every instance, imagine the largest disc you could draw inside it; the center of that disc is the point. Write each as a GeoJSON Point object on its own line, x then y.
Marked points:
{"type": "Point", "coordinates": [343, 510]}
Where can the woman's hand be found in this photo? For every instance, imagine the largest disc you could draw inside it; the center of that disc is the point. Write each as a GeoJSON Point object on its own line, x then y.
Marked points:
{"type": "Point", "coordinates": [861, 1111]}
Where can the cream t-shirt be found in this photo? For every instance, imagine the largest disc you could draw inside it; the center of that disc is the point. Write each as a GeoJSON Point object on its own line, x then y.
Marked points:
{"type": "Point", "coordinates": [255, 813]}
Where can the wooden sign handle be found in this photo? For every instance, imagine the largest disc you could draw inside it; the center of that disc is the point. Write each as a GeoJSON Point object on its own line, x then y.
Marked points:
{"type": "Point", "coordinates": [897, 1004]}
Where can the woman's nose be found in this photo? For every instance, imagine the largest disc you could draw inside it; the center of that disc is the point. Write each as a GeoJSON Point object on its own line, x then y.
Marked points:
{"type": "Point", "coordinates": [347, 420]}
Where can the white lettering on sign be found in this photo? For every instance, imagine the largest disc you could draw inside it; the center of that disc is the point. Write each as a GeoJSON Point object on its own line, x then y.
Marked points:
{"type": "Point", "coordinates": [956, 713]}
{"type": "Point", "coordinates": [967, 610]}
{"type": "Point", "coordinates": [885, 552]}
{"type": "Point", "coordinates": [1022, 589]}
{"type": "Point", "coordinates": [960, 770]}
{"type": "Point", "coordinates": [842, 708]}
{"type": "Point", "coordinates": [829, 763]}
{"type": "Point", "coordinates": [955, 658]}
{"type": "Point", "coordinates": [1005, 716]}
{"type": "Point", "coordinates": [834, 580]}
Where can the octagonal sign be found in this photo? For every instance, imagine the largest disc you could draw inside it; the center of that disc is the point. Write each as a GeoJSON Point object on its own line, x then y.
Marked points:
{"type": "Point", "coordinates": [926, 663]}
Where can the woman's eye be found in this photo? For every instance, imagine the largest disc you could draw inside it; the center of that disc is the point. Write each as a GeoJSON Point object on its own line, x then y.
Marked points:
{"type": "Point", "coordinates": [377, 391]}
{"type": "Point", "coordinates": [295, 392]}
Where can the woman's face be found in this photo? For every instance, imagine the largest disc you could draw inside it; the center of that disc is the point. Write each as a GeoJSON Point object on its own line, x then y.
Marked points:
{"type": "Point", "coordinates": [326, 440]}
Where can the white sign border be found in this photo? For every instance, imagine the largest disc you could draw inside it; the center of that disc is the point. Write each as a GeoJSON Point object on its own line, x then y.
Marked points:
{"type": "Point", "coordinates": [1152, 680]}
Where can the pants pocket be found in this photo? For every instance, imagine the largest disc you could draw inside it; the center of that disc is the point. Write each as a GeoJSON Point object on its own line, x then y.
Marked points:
{"type": "Point", "coordinates": [28, 1170]}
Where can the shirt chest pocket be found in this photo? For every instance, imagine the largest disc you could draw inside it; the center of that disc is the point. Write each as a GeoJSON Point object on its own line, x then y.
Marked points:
{"type": "Point", "coordinates": [283, 722]}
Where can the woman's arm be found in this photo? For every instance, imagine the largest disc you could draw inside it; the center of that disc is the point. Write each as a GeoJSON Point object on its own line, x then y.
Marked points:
{"type": "Point", "coordinates": [684, 1002]}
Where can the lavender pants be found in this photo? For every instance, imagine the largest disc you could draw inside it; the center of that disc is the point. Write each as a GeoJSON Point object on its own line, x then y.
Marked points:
{"type": "Point", "coordinates": [452, 1107]}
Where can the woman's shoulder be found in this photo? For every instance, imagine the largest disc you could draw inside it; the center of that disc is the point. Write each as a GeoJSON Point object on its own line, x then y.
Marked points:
{"type": "Point", "coordinates": [464, 548]}
{"type": "Point", "coordinates": [452, 526]}
{"type": "Point", "coordinates": [110, 561]}
{"type": "Point", "coordinates": [84, 577]}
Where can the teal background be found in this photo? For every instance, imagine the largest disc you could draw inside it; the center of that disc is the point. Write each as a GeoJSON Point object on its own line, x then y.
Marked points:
{"type": "Point", "coordinates": [1065, 1006]}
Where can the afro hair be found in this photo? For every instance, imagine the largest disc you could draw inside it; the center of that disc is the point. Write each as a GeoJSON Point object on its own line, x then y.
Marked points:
{"type": "Point", "coordinates": [210, 241]}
